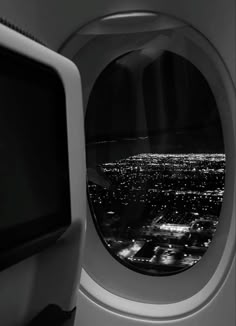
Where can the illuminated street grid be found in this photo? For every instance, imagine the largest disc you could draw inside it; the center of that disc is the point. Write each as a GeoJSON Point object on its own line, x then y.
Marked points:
{"type": "Point", "coordinates": [160, 211]}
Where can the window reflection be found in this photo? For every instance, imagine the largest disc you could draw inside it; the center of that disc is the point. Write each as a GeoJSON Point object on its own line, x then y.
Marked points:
{"type": "Point", "coordinates": [155, 162]}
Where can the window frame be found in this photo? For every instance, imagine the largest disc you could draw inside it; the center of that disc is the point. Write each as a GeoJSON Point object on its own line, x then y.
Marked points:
{"type": "Point", "coordinates": [120, 289]}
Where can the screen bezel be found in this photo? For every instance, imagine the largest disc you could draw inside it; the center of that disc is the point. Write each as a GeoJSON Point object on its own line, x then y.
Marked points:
{"type": "Point", "coordinates": [44, 231]}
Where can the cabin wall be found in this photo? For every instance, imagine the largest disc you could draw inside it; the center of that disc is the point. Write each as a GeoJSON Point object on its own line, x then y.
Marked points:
{"type": "Point", "coordinates": [217, 313]}
{"type": "Point", "coordinates": [54, 21]}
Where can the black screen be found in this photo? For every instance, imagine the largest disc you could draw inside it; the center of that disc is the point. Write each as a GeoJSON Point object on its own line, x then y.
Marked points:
{"type": "Point", "coordinates": [34, 172]}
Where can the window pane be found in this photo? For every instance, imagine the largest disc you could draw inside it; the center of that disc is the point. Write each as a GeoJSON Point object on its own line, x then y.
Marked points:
{"type": "Point", "coordinates": [155, 162]}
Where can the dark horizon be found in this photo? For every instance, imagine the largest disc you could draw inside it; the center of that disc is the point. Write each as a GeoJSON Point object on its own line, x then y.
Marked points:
{"type": "Point", "coordinates": [112, 151]}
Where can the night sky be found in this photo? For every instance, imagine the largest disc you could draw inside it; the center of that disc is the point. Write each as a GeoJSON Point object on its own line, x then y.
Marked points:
{"type": "Point", "coordinates": [143, 105]}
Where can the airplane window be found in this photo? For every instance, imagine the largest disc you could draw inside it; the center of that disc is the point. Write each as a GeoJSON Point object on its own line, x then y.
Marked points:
{"type": "Point", "coordinates": [155, 162]}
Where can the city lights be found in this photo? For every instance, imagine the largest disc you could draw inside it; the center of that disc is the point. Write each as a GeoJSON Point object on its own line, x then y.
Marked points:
{"type": "Point", "coordinates": [161, 210]}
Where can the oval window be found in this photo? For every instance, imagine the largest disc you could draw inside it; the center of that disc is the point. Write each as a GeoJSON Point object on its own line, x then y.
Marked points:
{"type": "Point", "coordinates": [155, 162]}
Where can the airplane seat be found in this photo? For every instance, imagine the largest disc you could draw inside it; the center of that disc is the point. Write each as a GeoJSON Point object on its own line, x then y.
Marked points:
{"type": "Point", "coordinates": [43, 184]}
{"type": "Point", "coordinates": [53, 315]}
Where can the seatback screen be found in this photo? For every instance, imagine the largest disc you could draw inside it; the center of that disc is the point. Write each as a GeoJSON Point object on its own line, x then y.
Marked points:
{"type": "Point", "coordinates": [34, 171]}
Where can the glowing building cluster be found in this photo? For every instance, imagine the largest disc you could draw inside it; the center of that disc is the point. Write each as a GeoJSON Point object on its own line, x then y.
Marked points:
{"type": "Point", "coordinates": [160, 211]}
